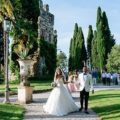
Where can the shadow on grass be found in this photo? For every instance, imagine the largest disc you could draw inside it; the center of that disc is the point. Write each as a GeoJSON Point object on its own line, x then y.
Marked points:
{"type": "Point", "coordinates": [108, 111]}
{"type": "Point", "coordinates": [11, 112]}
{"type": "Point", "coordinates": [102, 96]}
{"type": "Point", "coordinates": [117, 117]}
{"type": "Point", "coordinates": [10, 116]}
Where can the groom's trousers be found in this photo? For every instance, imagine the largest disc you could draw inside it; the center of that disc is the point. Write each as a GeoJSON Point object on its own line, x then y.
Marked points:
{"type": "Point", "coordinates": [84, 96]}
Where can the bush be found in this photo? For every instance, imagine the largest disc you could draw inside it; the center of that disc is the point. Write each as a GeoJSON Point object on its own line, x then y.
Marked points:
{"type": "Point", "coordinates": [42, 78]}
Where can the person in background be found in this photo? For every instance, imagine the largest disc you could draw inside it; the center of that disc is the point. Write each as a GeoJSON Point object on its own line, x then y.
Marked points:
{"type": "Point", "coordinates": [108, 78]}
{"type": "Point", "coordinates": [70, 84]}
{"type": "Point", "coordinates": [72, 81]}
{"type": "Point", "coordinates": [103, 77]}
{"type": "Point", "coordinates": [75, 81]}
{"type": "Point", "coordinates": [115, 78]}
{"type": "Point", "coordinates": [94, 76]}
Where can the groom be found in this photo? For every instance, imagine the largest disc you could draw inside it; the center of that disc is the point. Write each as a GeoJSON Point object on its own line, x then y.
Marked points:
{"type": "Point", "coordinates": [85, 81]}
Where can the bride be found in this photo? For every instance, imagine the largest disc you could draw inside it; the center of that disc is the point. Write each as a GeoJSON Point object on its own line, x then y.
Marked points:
{"type": "Point", "coordinates": [60, 101]}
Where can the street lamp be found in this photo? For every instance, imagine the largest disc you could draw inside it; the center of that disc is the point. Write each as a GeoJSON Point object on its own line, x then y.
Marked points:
{"type": "Point", "coordinates": [7, 26]}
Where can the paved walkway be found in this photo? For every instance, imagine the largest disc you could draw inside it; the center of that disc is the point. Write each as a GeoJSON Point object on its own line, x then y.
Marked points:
{"type": "Point", "coordinates": [34, 110]}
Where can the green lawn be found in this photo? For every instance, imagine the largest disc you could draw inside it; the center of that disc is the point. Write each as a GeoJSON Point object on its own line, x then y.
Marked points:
{"type": "Point", "coordinates": [11, 112]}
{"type": "Point", "coordinates": [106, 104]}
{"type": "Point", "coordinates": [38, 85]}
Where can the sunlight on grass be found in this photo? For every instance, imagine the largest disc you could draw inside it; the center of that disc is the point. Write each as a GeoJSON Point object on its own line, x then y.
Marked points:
{"type": "Point", "coordinates": [106, 104]}
{"type": "Point", "coordinates": [39, 85]}
{"type": "Point", "coordinates": [11, 112]}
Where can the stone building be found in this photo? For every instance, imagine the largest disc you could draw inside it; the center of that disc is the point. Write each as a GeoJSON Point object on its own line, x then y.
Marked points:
{"type": "Point", "coordinates": [45, 31]}
{"type": "Point", "coordinates": [46, 23]}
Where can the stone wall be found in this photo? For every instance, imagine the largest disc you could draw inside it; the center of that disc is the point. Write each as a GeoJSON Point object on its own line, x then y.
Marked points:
{"type": "Point", "coordinates": [45, 31]}
{"type": "Point", "coordinates": [46, 24]}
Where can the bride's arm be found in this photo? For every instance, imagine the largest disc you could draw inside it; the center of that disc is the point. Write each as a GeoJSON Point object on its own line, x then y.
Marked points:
{"type": "Point", "coordinates": [65, 81]}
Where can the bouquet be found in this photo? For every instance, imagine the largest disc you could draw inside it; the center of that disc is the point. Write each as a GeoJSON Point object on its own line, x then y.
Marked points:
{"type": "Point", "coordinates": [53, 84]}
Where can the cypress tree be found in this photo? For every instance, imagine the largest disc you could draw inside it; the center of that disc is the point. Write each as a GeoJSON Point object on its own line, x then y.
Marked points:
{"type": "Point", "coordinates": [70, 55]}
{"type": "Point", "coordinates": [109, 41]}
{"type": "Point", "coordinates": [105, 40]}
{"type": "Point", "coordinates": [100, 40]}
{"type": "Point", "coordinates": [74, 45]}
{"type": "Point", "coordinates": [81, 54]}
{"type": "Point", "coordinates": [78, 48]}
{"type": "Point", "coordinates": [84, 51]}
{"type": "Point", "coordinates": [75, 31]}
{"type": "Point", "coordinates": [72, 49]}
{"type": "Point", "coordinates": [99, 15]}
{"type": "Point", "coordinates": [89, 42]}
{"type": "Point", "coordinates": [77, 51]}
{"type": "Point", "coordinates": [94, 53]}
{"type": "Point", "coordinates": [101, 46]}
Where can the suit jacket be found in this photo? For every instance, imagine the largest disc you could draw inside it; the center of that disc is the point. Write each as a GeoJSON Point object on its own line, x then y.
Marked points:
{"type": "Point", "coordinates": [87, 84]}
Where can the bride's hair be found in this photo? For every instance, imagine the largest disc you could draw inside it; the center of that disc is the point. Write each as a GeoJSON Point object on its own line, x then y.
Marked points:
{"type": "Point", "coordinates": [61, 73]}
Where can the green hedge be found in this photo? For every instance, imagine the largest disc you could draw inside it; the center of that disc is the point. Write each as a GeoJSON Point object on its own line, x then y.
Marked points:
{"type": "Point", "coordinates": [48, 51]}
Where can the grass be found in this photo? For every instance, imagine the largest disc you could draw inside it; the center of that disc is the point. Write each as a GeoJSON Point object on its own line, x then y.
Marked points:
{"type": "Point", "coordinates": [38, 85]}
{"type": "Point", "coordinates": [16, 112]}
{"type": "Point", "coordinates": [11, 112]}
{"type": "Point", "coordinates": [106, 104]}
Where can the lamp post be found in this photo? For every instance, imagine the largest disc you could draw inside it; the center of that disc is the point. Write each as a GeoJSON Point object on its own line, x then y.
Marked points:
{"type": "Point", "coordinates": [7, 24]}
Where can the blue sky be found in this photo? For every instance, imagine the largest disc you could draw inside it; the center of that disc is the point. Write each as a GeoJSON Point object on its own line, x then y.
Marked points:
{"type": "Point", "coordinates": [83, 12]}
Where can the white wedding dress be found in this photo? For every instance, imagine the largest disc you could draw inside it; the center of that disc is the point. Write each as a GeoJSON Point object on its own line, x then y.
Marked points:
{"type": "Point", "coordinates": [60, 102]}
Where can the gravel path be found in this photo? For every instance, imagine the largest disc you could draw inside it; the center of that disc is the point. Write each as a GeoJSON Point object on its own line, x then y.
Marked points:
{"type": "Point", "coordinates": [35, 110]}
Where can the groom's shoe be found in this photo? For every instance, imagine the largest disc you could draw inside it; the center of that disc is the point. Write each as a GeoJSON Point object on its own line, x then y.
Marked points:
{"type": "Point", "coordinates": [80, 109]}
{"type": "Point", "coordinates": [86, 112]}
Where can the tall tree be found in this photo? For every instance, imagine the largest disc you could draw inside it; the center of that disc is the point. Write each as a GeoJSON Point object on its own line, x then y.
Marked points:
{"type": "Point", "coordinates": [94, 53]}
{"type": "Point", "coordinates": [113, 62]}
{"type": "Point", "coordinates": [26, 14]}
{"type": "Point", "coordinates": [78, 54]}
{"type": "Point", "coordinates": [101, 46]}
{"type": "Point", "coordinates": [99, 15]}
{"type": "Point", "coordinates": [70, 62]}
{"type": "Point", "coordinates": [100, 39]}
{"type": "Point", "coordinates": [105, 40]}
{"type": "Point", "coordinates": [72, 49]}
{"type": "Point", "coordinates": [109, 40]}
{"type": "Point", "coordinates": [6, 9]}
{"type": "Point", "coordinates": [83, 49]}
{"type": "Point", "coordinates": [78, 50]}
{"type": "Point", "coordinates": [89, 42]}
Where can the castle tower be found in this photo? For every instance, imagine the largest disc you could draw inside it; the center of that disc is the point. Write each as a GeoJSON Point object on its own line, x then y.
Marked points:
{"type": "Point", "coordinates": [45, 31]}
{"type": "Point", "coordinates": [45, 23]}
